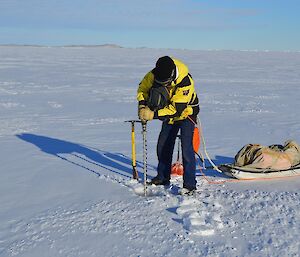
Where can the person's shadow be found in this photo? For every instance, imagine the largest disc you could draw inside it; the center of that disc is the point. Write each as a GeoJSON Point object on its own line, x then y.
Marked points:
{"type": "Point", "coordinates": [87, 157]}
{"type": "Point", "coordinates": [81, 155]}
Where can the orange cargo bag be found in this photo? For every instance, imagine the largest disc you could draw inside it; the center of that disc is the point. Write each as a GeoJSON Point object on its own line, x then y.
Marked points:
{"type": "Point", "coordinates": [196, 139]}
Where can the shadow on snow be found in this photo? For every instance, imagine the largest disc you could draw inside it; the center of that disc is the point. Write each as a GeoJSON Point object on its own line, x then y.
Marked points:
{"type": "Point", "coordinates": [209, 172]}
{"type": "Point", "coordinates": [81, 155]}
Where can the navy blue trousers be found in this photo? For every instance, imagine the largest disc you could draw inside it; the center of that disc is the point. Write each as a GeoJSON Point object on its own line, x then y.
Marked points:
{"type": "Point", "coordinates": [165, 148]}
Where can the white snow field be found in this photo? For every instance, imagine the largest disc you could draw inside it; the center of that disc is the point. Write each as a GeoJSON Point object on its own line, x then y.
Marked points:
{"type": "Point", "coordinates": [65, 184]}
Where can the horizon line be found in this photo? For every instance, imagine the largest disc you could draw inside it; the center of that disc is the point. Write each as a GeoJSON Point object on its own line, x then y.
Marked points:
{"type": "Point", "coordinates": [116, 46]}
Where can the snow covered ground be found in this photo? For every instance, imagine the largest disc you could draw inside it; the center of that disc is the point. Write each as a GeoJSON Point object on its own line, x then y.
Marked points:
{"type": "Point", "coordinates": [66, 188]}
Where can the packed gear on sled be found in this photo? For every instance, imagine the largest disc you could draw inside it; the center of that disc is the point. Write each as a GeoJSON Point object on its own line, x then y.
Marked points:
{"type": "Point", "coordinates": [269, 157]}
{"type": "Point", "coordinates": [257, 161]}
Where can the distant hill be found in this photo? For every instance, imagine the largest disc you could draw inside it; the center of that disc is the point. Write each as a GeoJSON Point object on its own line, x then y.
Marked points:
{"type": "Point", "coordinates": [103, 45]}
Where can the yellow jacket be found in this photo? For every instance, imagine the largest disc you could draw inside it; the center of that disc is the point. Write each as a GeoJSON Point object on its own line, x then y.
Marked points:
{"type": "Point", "coordinates": [183, 100]}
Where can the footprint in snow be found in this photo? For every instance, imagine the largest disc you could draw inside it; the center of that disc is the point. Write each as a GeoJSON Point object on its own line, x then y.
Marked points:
{"type": "Point", "coordinates": [199, 217]}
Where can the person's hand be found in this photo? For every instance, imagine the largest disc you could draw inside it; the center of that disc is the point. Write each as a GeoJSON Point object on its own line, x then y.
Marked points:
{"type": "Point", "coordinates": [145, 114]}
{"type": "Point", "coordinates": [140, 107]}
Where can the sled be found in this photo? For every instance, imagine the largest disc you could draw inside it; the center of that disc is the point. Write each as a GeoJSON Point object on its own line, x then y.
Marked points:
{"type": "Point", "coordinates": [258, 173]}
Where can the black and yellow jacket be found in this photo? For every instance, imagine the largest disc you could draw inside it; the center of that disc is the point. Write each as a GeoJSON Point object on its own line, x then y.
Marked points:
{"type": "Point", "coordinates": [183, 100]}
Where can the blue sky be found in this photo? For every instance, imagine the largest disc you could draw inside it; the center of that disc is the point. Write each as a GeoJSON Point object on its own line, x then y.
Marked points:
{"type": "Point", "coordinates": [190, 24]}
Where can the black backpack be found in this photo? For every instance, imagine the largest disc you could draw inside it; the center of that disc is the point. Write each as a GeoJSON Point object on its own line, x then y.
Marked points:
{"type": "Point", "coordinates": [159, 97]}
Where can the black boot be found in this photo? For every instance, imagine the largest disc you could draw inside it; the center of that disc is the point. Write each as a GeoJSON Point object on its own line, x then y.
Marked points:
{"type": "Point", "coordinates": [186, 190]}
{"type": "Point", "coordinates": [157, 181]}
